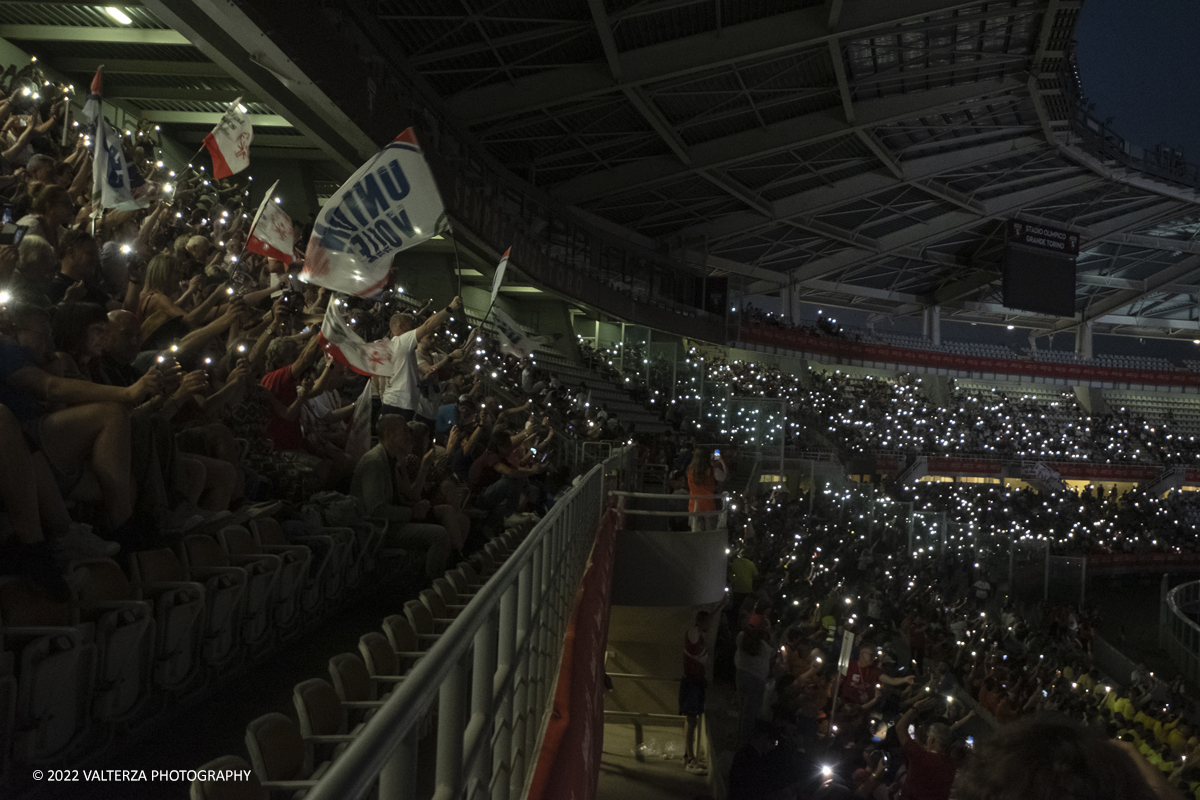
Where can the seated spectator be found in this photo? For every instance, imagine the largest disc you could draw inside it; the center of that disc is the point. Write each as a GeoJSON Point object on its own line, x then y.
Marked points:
{"type": "Point", "coordinates": [386, 492]}
{"type": "Point", "coordinates": [497, 482]}
{"type": "Point", "coordinates": [77, 279]}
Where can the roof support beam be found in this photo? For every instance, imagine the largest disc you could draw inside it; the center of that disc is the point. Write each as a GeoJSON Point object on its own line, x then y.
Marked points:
{"type": "Point", "coordinates": [115, 92]}
{"type": "Point", "coordinates": [1179, 272]}
{"type": "Point", "coordinates": [242, 51]}
{"type": "Point", "coordinates": [939, 228]}
{"type": "Point", "coordinates": [839, 69]}
{"type": "Point", "coordinates": [127, 66]}
{"type": "Point", "coordinates": [265, 139]}
{"type": "Point", "coordinates": [771, 36]}
{"type": "Point", "coordinates": [212, 118]}
{"type": "Point", "coordinates": [73, 33]}
{"type": "Point", "coordinates": [860, 186]}
{"type": "Point", "coordinates": [775, 138]}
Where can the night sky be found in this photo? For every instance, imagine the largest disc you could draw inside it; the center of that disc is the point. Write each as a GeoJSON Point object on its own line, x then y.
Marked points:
{"type": "Point", "coordinates": [1138, 62]}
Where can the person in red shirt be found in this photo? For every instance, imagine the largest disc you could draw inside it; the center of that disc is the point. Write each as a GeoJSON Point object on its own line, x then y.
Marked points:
{"type": "Point", "coordinates": [286, 365]}
{"type": "Point", "coordinates": [930, 773]}
{"type": "Point", "coordinates": [863, 675]}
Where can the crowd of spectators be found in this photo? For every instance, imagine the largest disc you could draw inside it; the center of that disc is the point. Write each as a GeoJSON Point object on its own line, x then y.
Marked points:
{"type": "Point", "coordinates": [156, 377]}
{"type": "Point", "coordinates": [831, 409]}
{"type": "Point", "coordinates": [984, 518]}
{"type": "Point", "coordinates": [940, 658]}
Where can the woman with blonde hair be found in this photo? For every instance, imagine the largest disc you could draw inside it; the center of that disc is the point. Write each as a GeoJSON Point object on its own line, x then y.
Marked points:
{"type": "Point", "coordinates": [703, 474]}
{"type": "Point", "coordinates": [159, 311]}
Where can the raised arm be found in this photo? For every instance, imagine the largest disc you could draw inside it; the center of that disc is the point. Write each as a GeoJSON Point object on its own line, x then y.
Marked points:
{"type": "Point", "coordinates": [430, 326]}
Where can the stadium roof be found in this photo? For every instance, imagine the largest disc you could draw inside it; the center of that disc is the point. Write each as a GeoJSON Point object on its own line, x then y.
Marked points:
{"type": "Point", "coordinates": [858, 153]}
{"type": "Point", "coordinates": [864, 152]}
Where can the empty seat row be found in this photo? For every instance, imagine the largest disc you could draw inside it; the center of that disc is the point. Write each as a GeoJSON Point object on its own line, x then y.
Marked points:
{"type": "Point", "coordinates": [128, 641]}
{"type": "Point", "coordinates": [289, 755]}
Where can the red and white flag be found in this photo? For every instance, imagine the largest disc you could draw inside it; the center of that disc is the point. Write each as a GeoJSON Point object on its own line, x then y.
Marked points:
{"type": "Point", "coordinates": [229, 142]}
{"type": "Point", "coordinates": [271, 232]}
{"type": "Point", "coordinates": [346, 347]}
{"type": "Point", "coordinates": [390, 204]}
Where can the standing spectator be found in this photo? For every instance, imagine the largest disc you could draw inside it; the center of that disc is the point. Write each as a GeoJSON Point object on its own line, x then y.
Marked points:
{"type": "Point", "coordinates": [703, 475]}
{"type": "Point", "coordinates": [983, 590]}
{"type": "Point", "coordinates": [692, 689]}
{"type": "Point", "coordinates": [403, 393]}
{"type": "Point", "coordinates": [863, 675]}
{"type": "Point", "coordinates": [931, 771]}
{"type": "Point", "coordinates": [753, 662]}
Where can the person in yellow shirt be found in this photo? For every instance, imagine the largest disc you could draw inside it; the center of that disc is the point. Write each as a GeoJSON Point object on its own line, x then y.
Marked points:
{"type": "Point", "coordinates": [742, 575]}
{"type": "Point", "coordinates": [1178, 739]}
{"type": "Point", "coordinates": [1162, 730]}
{"type": "Point", "coordinates": [1124, 707]}
{"type": "Point", "coordinates": [1087, 681]}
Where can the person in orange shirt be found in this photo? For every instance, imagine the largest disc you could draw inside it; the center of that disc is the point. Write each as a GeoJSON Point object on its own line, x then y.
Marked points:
{"type": "Point", "coordinates": [703, 474]}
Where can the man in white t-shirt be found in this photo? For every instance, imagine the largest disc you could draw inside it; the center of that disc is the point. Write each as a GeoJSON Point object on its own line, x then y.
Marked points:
{"type": "Point", "coordinates": [402, 393]}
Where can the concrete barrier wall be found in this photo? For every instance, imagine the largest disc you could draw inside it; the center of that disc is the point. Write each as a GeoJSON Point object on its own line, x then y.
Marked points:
{"type": "Point", "coordinates": [662, 568]}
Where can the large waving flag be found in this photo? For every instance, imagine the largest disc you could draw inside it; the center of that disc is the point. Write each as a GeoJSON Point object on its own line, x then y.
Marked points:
{"type": "Point", "coordinates": [271, 232]}
{"type": "Point", "coordinates": [346, 347]}
{"type": "Point", "coordinates": [513, 338]}
{"type": "Point", "coordinates": [498, 278]}
{"type": "Point", "coordinates": [113, 182]}
{"type": "Point", "coordinates": [390, 204]}
{"type": "Point", "coordinates": [91, 109]}
{"type": "Point", "coordinates": [229, 142]}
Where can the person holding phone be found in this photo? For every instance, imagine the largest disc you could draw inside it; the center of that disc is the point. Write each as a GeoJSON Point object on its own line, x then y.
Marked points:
{"type": "Point", "coordinates": [703, 474]}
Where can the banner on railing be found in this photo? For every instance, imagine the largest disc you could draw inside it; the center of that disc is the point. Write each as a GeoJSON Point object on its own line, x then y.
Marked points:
{"type": "Point", "coordinates": [568, 766]}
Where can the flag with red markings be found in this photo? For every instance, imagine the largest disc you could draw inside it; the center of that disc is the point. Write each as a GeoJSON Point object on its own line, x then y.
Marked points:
{"type": "Point", "coordinates": [346, 347]}
{"type": "Point", "coordinates": [229, 142]}
{"type": "Point", "coordinates": [271, 232]}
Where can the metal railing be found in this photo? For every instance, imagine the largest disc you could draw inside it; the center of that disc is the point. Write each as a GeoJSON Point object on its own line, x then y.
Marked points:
{"type": "Point", "coordinates": [492, 673]}
{"type": "Point", "coordinates": [1178, 632]}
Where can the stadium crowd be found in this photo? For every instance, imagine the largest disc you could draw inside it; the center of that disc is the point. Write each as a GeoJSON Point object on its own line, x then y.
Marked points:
{"type": "Point", "coordinates": [939, 656]}
{"type": "Point", "coordinates": [156, 377]}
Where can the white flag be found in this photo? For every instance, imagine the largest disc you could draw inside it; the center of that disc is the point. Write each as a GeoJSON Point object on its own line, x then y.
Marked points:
{"type": "Point", "coordinates": [271, 232]}
{"type": "Point", "coordinates": [229, 142]}
{"type": "Point", "coordinates": [112, 183]}
{"type": "Point", "coordinates": [389, 205]}
{"type": "Point", "coordinates": [346, 347]}
{"type": "Point", "coordinates": [358, 438]}
{"type": "Point", "coordinates": [498, 278]}
{"type": "Point", "coordinates": [513, 338]}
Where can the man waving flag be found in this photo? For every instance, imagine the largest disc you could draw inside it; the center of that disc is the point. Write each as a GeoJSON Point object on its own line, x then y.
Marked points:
{"type": "Point", "coordinates": [389, 205]}
{"type": "Point", "coordinates": [229, 142]}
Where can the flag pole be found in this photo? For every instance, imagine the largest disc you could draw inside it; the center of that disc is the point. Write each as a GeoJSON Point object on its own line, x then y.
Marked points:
{"type": "Point", "coordinates": [457, 266]}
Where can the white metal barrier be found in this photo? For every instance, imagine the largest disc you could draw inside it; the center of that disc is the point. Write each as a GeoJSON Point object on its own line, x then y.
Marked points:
{"type": "Point", "coordinates": [492, 672]}
{"type": "Point", "coordinates": [1178, 632]}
